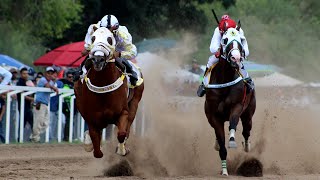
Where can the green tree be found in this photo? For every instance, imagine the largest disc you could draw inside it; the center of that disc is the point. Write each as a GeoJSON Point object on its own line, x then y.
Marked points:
{"type": "Point", "coordinates": [27, 24]}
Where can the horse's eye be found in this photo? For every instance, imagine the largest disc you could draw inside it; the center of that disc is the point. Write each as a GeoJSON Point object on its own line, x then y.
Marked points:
{"type": "Point", "coordinates": [109, 40]}
{"type": "Point", "coordinates": [225, 41]}
{"type": "Point", "coordinates": [93, 39]}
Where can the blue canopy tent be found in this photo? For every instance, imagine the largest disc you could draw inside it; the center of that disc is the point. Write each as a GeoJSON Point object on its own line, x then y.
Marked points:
{"type": "Point", "coordinates": [9, 61]}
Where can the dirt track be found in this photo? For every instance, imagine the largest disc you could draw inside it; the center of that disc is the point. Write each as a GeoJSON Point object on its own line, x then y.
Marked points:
{"type": "Point", "coordinates": [284, 139]}
{"type": "Point", "coordinates": [179, 141]}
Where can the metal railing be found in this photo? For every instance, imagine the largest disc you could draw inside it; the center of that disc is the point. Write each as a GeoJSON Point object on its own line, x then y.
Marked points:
{"type": "Point", "coordinates": [74, 127]}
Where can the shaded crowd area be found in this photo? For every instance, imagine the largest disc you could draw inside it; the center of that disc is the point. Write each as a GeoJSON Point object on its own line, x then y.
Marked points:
{"type": "Point", "coordinates": [62, 78]}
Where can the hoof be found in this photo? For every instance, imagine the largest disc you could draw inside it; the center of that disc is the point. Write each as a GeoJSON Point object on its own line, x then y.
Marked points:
{"type": "Point", "coordinates": [224, 172]}
{"type": "Point", "coordinates": [246, 145]}
{"type": "Point", "coordinates": [232, 143]}
{"type": "Point", "coordinates": [216, 146]}
{"type": "Point", "coordinates": [98, 154]}
{"type": "Point", "coordinates": [88, 147]}
{"type": "Point", "coordinates": [122, 149]}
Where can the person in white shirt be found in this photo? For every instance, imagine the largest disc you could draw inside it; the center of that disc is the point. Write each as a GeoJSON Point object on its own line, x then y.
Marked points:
{"type": "Point", "coordinates": [6, 76]}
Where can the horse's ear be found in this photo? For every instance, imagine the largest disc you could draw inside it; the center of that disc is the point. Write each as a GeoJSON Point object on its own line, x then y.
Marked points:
{"type": "Point", "coordinates": [239, 25]}
{"type": "Point", "coordinates": [95, 28]}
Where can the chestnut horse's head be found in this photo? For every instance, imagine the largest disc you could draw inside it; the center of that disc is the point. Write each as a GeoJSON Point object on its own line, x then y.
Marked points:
{"type": "Point", "coordinates": [103, 43]}
{"type": "Point", "coordinates": [232, 46]}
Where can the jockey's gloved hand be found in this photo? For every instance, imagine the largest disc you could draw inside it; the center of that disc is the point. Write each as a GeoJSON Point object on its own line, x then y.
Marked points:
{"type": "Point", "coordinates": [217, 54]}
{"type": "Point", "coordinates": [116, 54]}
{"type": "Point", "coordinates": [85, 52]}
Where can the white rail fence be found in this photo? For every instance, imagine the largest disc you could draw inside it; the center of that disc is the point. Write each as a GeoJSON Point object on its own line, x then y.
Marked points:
{"type": "Point", "coordinates": [76, 123]}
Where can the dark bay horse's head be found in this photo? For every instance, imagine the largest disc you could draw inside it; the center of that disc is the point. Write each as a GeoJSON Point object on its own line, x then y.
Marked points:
{"type": "Point", "coordinates": [232, 46]}
{"type": "Point", "coordinates": [103, 48]}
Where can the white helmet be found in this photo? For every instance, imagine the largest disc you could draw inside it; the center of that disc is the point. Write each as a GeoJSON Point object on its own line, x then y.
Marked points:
{"type": "Point", "coordinates": [109, 21]}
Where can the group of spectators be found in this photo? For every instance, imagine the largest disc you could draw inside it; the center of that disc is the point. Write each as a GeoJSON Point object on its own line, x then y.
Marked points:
{"type": "Point", "coordinates": [37, 116]}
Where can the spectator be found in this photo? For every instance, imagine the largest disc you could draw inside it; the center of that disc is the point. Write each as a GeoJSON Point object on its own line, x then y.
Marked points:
{"type": "Point", "coordinates": [67, 84]}
{"type": "Point", "coordinates": [54, 106]}
{"type": "Point", "coordinates": [2, 112]}
{"type": "Point", "coordinates": [14, 78]}
{"type": "Point", "coordinates": [41, 113]}
{"type": "Point", "coordinates": [196, 68]}
{"type": "Point", "coordinates": [40, 74]}
{"type": "Point", "coordinates": [6, 76]}
{"type": "Point", "coordinates": [28, 115]}
{"type": "Point", "coordinates": [36, 79]}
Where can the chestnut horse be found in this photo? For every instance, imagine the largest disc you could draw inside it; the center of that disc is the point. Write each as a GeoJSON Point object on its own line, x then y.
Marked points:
{"type": "Point", "coordinates": [228, 98]}
{"type": "Point", "coordinates": [103, 97]}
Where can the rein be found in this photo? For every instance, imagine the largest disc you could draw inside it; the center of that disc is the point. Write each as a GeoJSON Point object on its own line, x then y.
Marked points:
{"type": "Point", "coordinates": [105, 89]}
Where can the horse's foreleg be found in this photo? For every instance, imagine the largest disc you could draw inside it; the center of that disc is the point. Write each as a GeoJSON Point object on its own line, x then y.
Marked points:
{"type": "Point", "coordinates": [95, 135]}
{"type": "Point", "coordinates": [122, 125]}
{"type": "Point", "coordinates": [220, 138]}
{"type": "Point", "coordinates": [233, 121]}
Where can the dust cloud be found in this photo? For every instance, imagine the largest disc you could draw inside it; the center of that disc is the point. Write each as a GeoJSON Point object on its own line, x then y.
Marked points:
{"type": "Point", "coordinates": [179, 141]}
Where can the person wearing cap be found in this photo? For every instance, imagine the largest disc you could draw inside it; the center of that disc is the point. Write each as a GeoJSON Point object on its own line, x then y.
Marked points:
{"type": "Point", "coordinates": [6, 76]}
{"type": "Point", "coordinates": [125, 49]}
{"type": "Point", "coordinates": [195, 68]}
{"type": "Point", "coordinates": [14, 78]}
{"type": "Point", "coordinates": [40, 111]}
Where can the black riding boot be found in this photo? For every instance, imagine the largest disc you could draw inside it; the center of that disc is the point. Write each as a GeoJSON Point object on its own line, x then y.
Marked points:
{"type": "Point", "coordinates": [133, 75]}
{"type": "Point", "coordinates": [87, 63]}
{"type": "Point", "coordinates": [248, 80]}
{"type": "Point", "coordinates": [202, 90]}
{"type": "Point", "coordinates": [249, 83]}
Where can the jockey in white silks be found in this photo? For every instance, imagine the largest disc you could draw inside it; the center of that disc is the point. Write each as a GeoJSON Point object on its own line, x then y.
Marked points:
{"type": "Point", "coordinates": [6, 76]}
{"type": "Point", "coordinates": [215, 50]}
{"type": "Point", "coordinates": [124, 51]}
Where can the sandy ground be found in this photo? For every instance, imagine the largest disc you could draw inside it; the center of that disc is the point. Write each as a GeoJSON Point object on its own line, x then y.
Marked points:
{"type": "Point", "coordinates": [179, 141]}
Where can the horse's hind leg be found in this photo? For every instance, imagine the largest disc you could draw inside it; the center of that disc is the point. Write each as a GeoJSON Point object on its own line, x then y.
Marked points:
{"type": "Point", "coordinates": [247, 125]}
{"type": "Point", "coordinates": [246, 119]}
{"type": "Point", "coordinates": [234, 120]}
{"type": "Point", "coordinates": [133, 106]}
{"type": "Point", "coordinates": [95, 135]}
{"type": "Point", "coordinates": [122, 133]}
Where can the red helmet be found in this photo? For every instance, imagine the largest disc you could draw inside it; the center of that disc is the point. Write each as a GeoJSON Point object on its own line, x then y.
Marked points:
{"type": "Point", "coordinates": [229, 23]}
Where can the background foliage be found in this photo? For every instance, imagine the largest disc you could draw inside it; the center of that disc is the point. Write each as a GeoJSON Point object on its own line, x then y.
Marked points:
{"type": "Point", "coordinates": [282, 32]}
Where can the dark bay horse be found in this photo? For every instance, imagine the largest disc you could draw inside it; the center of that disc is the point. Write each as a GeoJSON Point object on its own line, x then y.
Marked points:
{"type": "Point", "coordinates": [103, 96]}
{"type": "Point", "coordinates": [228, 98]}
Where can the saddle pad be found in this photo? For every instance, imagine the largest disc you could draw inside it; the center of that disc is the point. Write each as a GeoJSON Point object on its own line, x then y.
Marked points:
{"type": "Point", "coordinates": [206, 78]}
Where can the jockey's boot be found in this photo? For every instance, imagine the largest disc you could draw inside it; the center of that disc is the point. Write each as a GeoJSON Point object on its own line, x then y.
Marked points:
{"type": "Point", "coordinates": [133, 75]}
{"type": "Point", "coordinates": [247, 79]}
{"type": "Point", "coordinates": [249, 83]}
{"type": "Point", "coordinates": [82, 69]}
{"type": "Point", "coordinates": [202, 90]}
{"type": "Point", "coordinates": [124, 65]}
